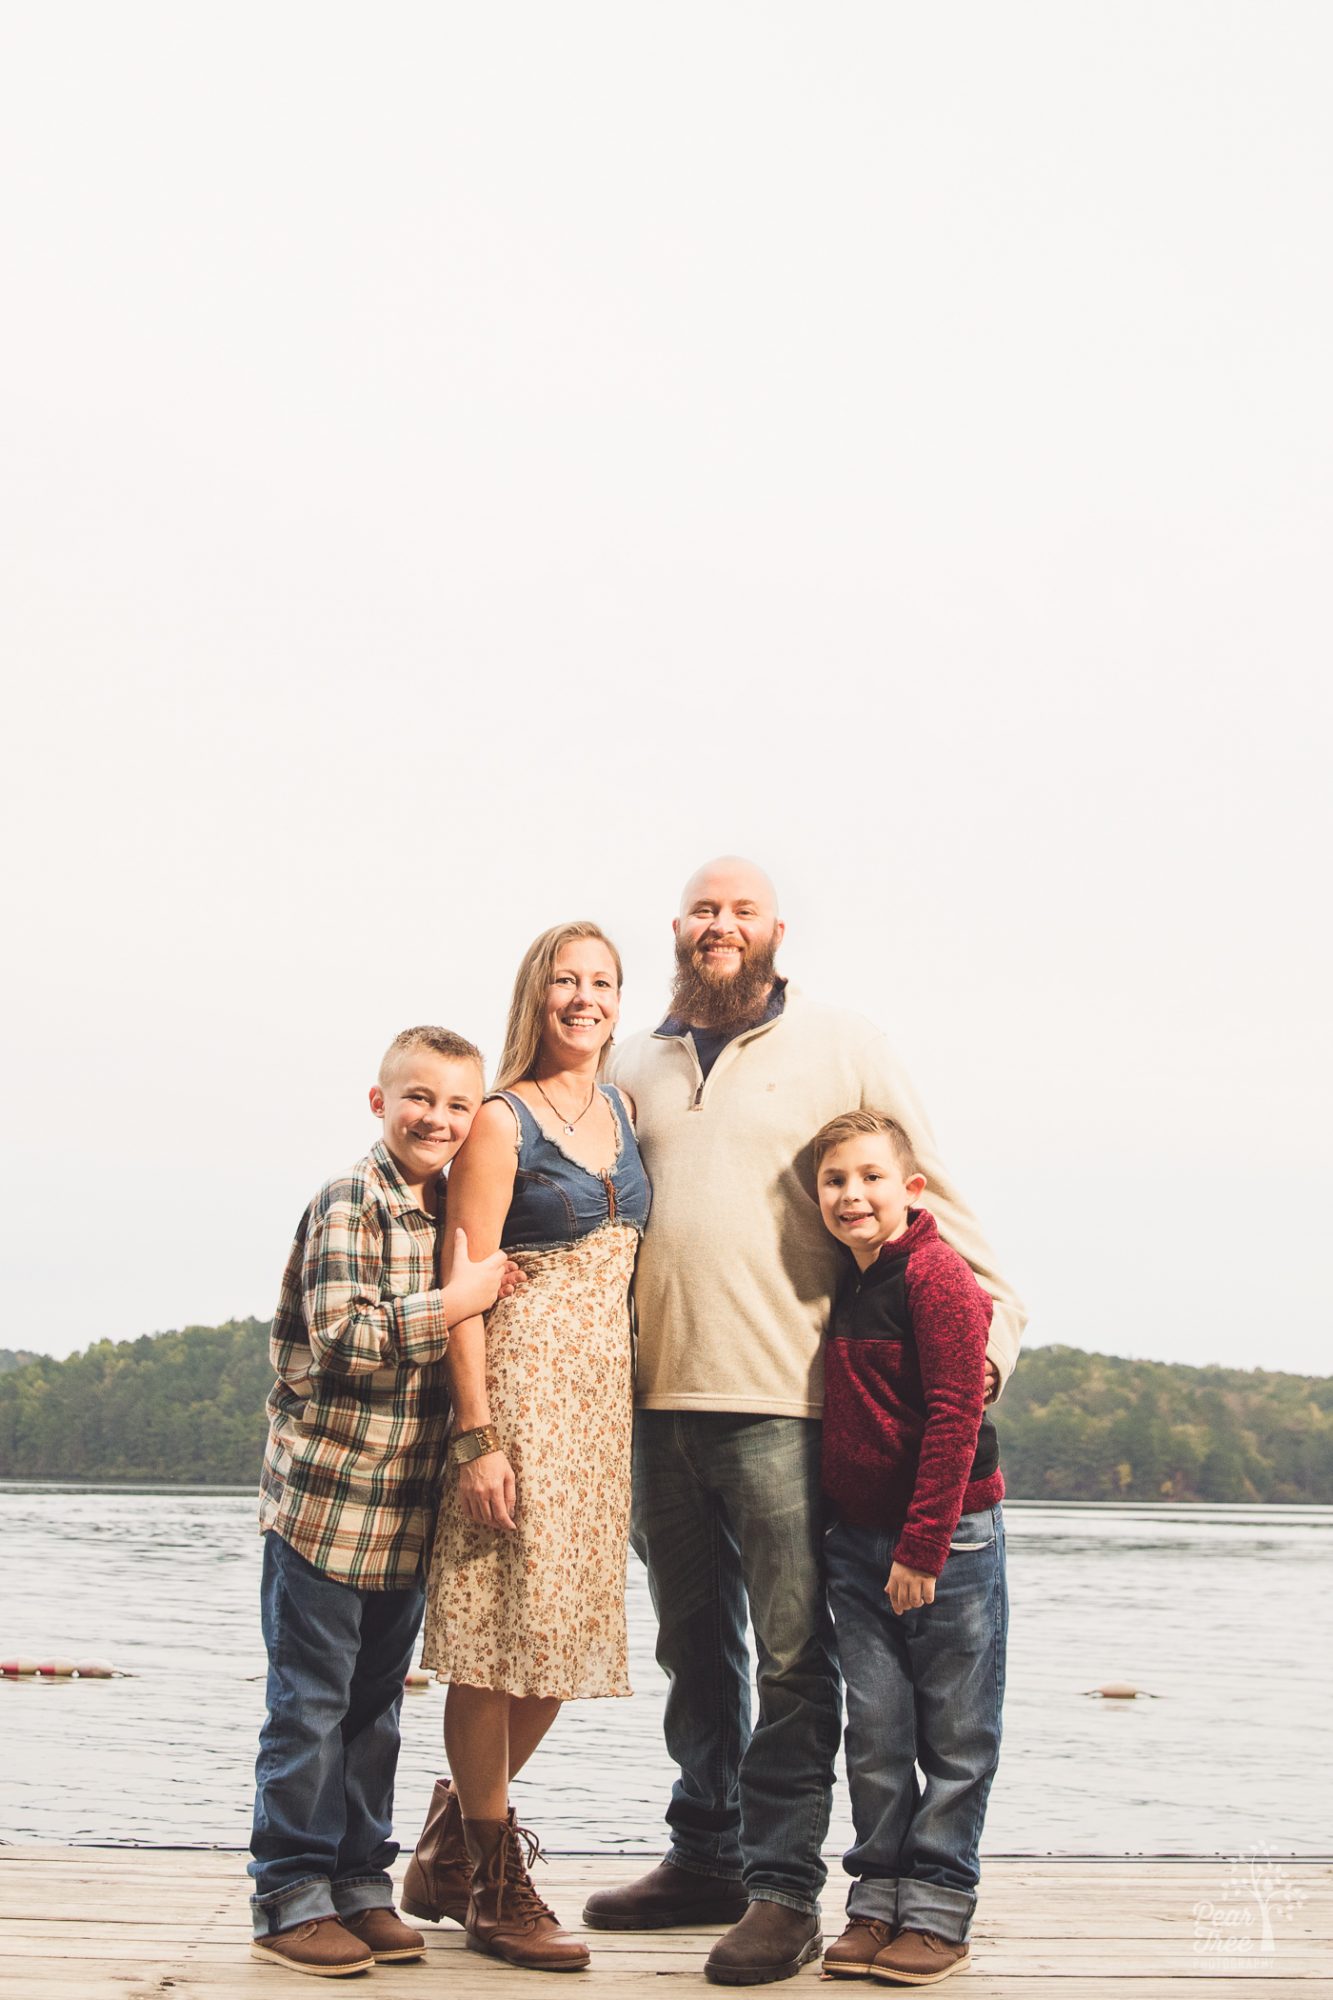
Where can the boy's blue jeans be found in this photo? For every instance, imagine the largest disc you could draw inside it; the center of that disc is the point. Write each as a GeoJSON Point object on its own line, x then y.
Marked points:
{"type": "Point", "coordinates": [727, 1510]}
{"type": "Point", "coordinates": [329, 1746]}
{"type": "Point", "coordinates": [923, 1688]}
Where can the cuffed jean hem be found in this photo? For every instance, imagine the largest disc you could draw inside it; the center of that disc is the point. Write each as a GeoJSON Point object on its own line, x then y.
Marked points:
{"type": "Point", "coordinates": [687, 1867]}
{"type": "Point", "coordinates": [717, 1867]}
{"type": "Point", "coordinates": [303, 1903]}
{"type": "Point", "coordinates": [758, 1893]}
{"type": "Point", "coordinates": [929, 1906]}
{"type": "Point", "coordinates": [362, 1892]}
{"type": "Point", "coordinates": [875, 1896]}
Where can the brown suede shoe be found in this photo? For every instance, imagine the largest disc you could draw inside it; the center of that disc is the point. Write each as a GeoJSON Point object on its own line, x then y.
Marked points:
{"type": "Point", "coordinates": [383, 1932]}
{"type": "Point", "coordinates": [667, 1895]}
{"type": "Point", "coordinates": [438, 1881]}
{"type": "Point", "coordinates": [770, 1942]}
{"type": "Point", "coordinates": [850, 1956]}
{"type": "Point", "coordinates": [919, 1958]}
{"type": "Point", "coordinates": [321, 1947]}
{"type": "Point", "coordinates": [506, 1917]}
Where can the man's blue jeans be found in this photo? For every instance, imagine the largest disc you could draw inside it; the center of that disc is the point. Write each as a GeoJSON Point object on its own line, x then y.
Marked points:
{"type": "Point", "coordinates": [329, 1746]}
{"type": "Point", "coordinates": [727, 1508]}
{"type": "Point", "coordinates": [925, 1687]}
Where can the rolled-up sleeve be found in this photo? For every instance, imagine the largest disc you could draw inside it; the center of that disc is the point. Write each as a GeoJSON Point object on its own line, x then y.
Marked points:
{"type": "Point", "coordinates": [353, 1330]}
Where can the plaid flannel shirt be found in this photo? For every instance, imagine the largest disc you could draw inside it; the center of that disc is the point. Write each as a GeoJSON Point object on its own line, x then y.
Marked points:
{"type": "Point", "coordinates": [359, 1414]}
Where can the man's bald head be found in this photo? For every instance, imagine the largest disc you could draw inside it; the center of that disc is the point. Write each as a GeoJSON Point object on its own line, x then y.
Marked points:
{"type": "Point", "coordinates": [731, 879]}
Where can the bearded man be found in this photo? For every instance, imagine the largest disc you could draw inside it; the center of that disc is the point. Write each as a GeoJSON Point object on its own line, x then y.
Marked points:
{"type": "Point", "coordinates": [734, 1284]}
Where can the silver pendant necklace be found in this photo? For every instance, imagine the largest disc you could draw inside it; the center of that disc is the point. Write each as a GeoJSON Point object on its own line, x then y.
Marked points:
{"type": "Point", "coordinates": [568, 1123]}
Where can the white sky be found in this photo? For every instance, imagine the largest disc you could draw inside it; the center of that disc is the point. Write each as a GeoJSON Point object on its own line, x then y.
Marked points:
{"type": "Point", "coordinates": [462, 465]}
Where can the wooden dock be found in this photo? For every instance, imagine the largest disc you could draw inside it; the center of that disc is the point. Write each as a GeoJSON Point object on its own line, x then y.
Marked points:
{"type": "Point", "coordinates": [88, 1923]}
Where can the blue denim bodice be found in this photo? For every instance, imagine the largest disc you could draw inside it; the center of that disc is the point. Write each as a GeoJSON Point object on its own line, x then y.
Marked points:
{"type": "Point", "coordinates": [556, 1199]}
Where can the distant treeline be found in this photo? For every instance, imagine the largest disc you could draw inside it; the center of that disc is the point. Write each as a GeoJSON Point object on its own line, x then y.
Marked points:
{"type": "Point", "coordinates": [1076, 1426]}
{"type": "Point", "coordinates": [189, 1406]}
{"type": "Point", "coordinates": [185, 1406]}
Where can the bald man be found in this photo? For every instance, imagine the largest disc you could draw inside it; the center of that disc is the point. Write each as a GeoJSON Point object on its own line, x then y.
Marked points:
{"type": "Point", "coordinates": [733, 1289]}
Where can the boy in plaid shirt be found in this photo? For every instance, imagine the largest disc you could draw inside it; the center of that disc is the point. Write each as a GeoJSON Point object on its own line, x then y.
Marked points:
{"type": "Point", "coordinates": [358, 1417]}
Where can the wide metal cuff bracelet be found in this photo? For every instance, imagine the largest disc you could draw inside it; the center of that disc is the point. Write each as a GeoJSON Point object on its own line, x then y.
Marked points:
{"type": "Point", "coordinates": [474, 1444]}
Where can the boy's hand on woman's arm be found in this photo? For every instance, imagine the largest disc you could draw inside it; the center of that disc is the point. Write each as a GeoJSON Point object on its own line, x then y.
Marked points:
{"type": "Point", "coordinates": [908, 1589]}
{"type": "Point", "coordinates": [473, 1288]}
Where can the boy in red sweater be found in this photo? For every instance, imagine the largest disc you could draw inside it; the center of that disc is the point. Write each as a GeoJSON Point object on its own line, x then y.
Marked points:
{"type": "Point", "coordinates": [911, 1472]}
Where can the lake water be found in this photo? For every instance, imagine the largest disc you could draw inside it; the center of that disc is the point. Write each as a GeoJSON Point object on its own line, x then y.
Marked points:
{"type": "Point", "coordinates": [1225, 1614]}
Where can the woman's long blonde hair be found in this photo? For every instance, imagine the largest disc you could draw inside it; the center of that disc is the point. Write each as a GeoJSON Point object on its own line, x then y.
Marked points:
{"type": "Point", "coordinates": [527, 1008]}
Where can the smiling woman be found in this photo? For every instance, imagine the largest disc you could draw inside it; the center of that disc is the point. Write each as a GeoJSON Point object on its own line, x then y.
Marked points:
{"type": "Point", "coordinates": [526, 1597]}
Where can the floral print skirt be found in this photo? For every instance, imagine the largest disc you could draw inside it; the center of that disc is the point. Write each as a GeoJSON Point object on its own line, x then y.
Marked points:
{"type": "Point", "coordinates": [542, 1611]}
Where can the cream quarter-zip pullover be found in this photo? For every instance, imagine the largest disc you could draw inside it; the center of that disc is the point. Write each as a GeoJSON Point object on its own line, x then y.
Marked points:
{"type": "Point", "coordinates": [736, 1275]}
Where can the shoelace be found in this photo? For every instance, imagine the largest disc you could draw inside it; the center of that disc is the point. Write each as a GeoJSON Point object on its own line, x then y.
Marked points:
{"type": "Point", "coordinates": [879, 1930]}
{"type": "Point", "coordinates": [517, 1895]}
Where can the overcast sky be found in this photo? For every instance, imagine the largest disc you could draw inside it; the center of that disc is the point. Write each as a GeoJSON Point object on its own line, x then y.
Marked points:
{"type": "Point", "coordinates": [463, 465]}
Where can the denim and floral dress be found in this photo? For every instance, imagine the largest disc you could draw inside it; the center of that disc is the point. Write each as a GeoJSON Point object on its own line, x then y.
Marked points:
{"type": "Point", "coordinates": [542, 1611]}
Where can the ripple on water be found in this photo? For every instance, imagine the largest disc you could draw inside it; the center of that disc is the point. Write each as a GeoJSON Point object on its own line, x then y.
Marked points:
{"type": "Point", "coordinates": [165, 1584]}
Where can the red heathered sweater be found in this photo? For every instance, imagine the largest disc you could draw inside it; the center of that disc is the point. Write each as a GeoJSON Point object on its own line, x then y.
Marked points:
{"type": "Point", "coordinates": [905, 1444]}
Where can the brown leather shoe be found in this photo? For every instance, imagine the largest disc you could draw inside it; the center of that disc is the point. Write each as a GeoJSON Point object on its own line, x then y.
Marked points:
{"type": "Point", "coordinates": [849, 1957]}
{"type": "Point", "coordinates": [770, 1942]}
{"type": "Point", "coordinates": [506, 1916]}
{"type": "Point", "coordinates": [667, 1895]}
{"type": "Point", "coordinates": [919, 1958]}
{"type": "Point", "coordinates": [322, 1947]}
{"type": "Point", "coordinates": [383, 1932]}
{"type": "Point", "coordinates": [438, 1881]}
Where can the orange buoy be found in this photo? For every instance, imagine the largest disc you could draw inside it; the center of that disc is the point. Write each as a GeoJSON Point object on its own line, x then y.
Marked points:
{"type": "Point", "coordinates": [1121, 1691]}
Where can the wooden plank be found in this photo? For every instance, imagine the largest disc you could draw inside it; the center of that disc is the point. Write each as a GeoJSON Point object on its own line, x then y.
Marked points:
{"type": "Point", "coordinates": [469, 1976]}
{"type": "Point", "coordinates": [29, 1983]}
{"type": "Point", "coordinates": [1091, 1903]}
{"type": "Point", "coordinates": [213, 1942]}
{"type": "Point", "coordinates": [484, 1979]}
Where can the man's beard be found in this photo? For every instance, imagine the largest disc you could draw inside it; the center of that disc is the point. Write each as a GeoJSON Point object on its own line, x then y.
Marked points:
{"type": "Point", "coordinates": [707, 999]}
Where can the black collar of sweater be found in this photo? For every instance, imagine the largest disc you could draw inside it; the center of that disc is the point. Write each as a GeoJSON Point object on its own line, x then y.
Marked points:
{"type": "Point", "coordinates": [920, 1229]}
{"type": "Point", "coordinates": [776, 1004]}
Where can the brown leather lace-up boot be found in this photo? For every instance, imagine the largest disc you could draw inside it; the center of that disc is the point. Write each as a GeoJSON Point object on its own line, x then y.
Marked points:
{"type": "Point", "coordinates": [506, 1917]}
{"type": "Point", "coordinates": [321, 1947]}
{"type": "Point", "coordinates": [920, 1958]}
{"type": "Point", "coordinates": [383, 1933]}
{"type": "Point", "coordinates": [851, 1955]}
{"type": "Point", "coordinates": [438, 1881]}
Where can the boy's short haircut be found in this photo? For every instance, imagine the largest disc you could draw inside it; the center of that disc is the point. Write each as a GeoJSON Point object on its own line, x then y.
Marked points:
{"type": "Point", "coordinates": [440, 1041]}
{"type": "Point", "coordinates": [852, 1124]}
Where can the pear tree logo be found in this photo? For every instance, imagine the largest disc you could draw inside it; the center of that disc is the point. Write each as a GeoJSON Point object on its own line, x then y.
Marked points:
{"type": "Point", "coordinates": [1242, 1922]}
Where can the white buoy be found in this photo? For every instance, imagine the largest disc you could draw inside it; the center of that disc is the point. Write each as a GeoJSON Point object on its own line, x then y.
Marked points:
{"type": "Point", "coordinates": [17, 1665]}
{"type": "Point", "coordinates": [416, 1680]}
{"type": "Point", "coordinates": [95, 1670]}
